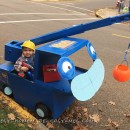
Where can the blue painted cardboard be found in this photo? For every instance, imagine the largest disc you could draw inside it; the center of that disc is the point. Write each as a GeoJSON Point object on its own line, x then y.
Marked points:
{"type": "Point", "coordinates": [57, 96]}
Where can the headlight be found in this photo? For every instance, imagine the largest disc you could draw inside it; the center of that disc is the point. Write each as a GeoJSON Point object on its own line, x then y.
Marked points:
{"type": "Point", "coordinates": [91, 51]}
{"type": "Point", "coordinates": [66, 68]}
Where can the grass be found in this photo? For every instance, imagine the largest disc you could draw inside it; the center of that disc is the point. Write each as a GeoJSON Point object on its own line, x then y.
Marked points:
{"type": "Point", "coordinates": [11, 124]}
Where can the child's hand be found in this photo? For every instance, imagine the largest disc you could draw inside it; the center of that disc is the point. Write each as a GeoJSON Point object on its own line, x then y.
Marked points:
{"type": "Point", "coordinates": [25, 69]}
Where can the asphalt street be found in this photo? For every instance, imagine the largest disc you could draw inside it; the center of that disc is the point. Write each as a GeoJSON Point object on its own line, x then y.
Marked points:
{"type": "Point", "coordinates": [24, 19]}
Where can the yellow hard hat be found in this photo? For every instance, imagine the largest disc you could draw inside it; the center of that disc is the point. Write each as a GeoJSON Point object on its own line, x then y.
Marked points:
{"type": "Point", "coordinates": [29, 44]}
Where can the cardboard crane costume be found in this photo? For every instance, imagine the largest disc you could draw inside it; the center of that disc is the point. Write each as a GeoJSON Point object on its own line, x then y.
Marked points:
{"type": "Point", "coordinates": [47, 97]}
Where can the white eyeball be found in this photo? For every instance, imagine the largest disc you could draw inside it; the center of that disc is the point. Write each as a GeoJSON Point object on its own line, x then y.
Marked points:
{"type": "Point", "coordinates": [91, 51]}
{"type": "Point", "coordinates": [66, 66]}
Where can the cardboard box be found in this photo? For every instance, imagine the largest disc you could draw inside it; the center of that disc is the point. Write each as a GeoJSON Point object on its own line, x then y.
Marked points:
{"type": "Point", "coordinates": [50, 73]}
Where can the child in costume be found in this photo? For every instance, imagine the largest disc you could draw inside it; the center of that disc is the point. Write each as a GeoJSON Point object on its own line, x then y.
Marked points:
{"type": "Point", "coordinates": [25, 63]}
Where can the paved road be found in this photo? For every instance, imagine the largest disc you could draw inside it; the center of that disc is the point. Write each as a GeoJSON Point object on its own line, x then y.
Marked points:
{"type": "Point", "coordinates": [21, 20]}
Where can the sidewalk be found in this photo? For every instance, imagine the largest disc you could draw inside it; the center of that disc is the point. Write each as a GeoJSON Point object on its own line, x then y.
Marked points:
{"type": "Point", "coordinates": [106, 12]}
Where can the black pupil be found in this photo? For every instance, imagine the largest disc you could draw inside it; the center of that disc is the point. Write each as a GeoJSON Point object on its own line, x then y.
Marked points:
{"type": "Point", "coordinates": [68, 67]}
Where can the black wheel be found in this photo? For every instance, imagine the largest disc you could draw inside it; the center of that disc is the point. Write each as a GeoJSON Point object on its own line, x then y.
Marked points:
{"type": "Point", "coordinates": [42, 111]}
{"type": "Point", "coordinates": [7, 90]}
{"type": "Point", "coordinates": [1, 85]}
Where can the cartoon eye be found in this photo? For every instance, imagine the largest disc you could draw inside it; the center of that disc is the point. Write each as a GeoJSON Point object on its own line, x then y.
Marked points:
{"type": "Point", "coordinates": [66, 68]}
{"type": "Point", "coordinates": [91, 51]}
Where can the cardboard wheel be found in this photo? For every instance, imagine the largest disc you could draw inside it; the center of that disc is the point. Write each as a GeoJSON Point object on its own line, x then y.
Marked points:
{"type": "Point", "coordinates": [42, 111]}
{"type": "Point", "coordinates": [7, 91]}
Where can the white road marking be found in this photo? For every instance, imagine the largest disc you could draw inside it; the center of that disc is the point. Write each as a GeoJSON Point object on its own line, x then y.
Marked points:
{"type": "Point", "coordinates": [121, 36]}
{"type": "Point", "coordinates": [40, 13]}
{"type": "Point", "coordinates": [112, 50]}
{"type": "Point", "coordinates": [68, 3]}
{"type": "Point", "coordinates": [56, 7]}
{"type": "Point", "coordinates": [72, 6]}
{"type": "Point", "coordinates": [42, 20]}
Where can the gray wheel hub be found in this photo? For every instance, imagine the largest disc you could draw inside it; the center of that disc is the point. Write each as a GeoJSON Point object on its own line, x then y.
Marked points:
{"type": "Point", "coordinates": [7, 90]}
{"type": "Point", "coordinates": [40, 112]}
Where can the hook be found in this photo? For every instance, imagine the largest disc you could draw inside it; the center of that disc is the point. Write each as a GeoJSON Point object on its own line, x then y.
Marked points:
{"type": "Point", "coordinates": [126, 52]}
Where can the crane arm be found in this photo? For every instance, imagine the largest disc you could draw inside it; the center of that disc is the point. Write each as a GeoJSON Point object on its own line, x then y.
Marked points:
{"type": "Point", "coordinates": [80, 28]}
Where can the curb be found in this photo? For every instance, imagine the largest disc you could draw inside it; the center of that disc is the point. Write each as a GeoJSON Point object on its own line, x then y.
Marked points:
{"type": "Point", "coordinates": [103, 13]}
{"type": "Point", "coordinates": [26, 116]}
{"type": "Point", "coordinates": [22, 113]}
{"type": "Point", "coordinates": [106, 12]}
{"type": "Point", "coordinates": [97, 14]}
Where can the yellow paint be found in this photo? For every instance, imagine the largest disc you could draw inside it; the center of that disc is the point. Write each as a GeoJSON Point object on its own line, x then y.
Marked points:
{"type": "Point", "coordinates": [120, 36]}
{"type": "Point", "coordinates": [63, 44]}
{"type": "Point", "coordinates": [18, 109]}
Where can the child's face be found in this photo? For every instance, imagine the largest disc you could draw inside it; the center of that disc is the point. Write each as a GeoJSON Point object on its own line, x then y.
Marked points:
{"type": "Point", "coordinates": [27, 52]}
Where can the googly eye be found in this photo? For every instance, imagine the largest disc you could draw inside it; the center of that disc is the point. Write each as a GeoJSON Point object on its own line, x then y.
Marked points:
{"type": "Point", "coordinates": [66, 68]}
{"type": "Point", "coordinates": [91, 51]}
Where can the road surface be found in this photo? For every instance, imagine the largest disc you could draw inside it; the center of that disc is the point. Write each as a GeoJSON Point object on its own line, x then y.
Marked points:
{"type": "Point", "coordinates": [21, 20]}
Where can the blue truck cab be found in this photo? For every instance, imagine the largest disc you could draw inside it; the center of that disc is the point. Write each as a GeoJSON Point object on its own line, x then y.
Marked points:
{"type": "Point", "coordinates": [50, 99]}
